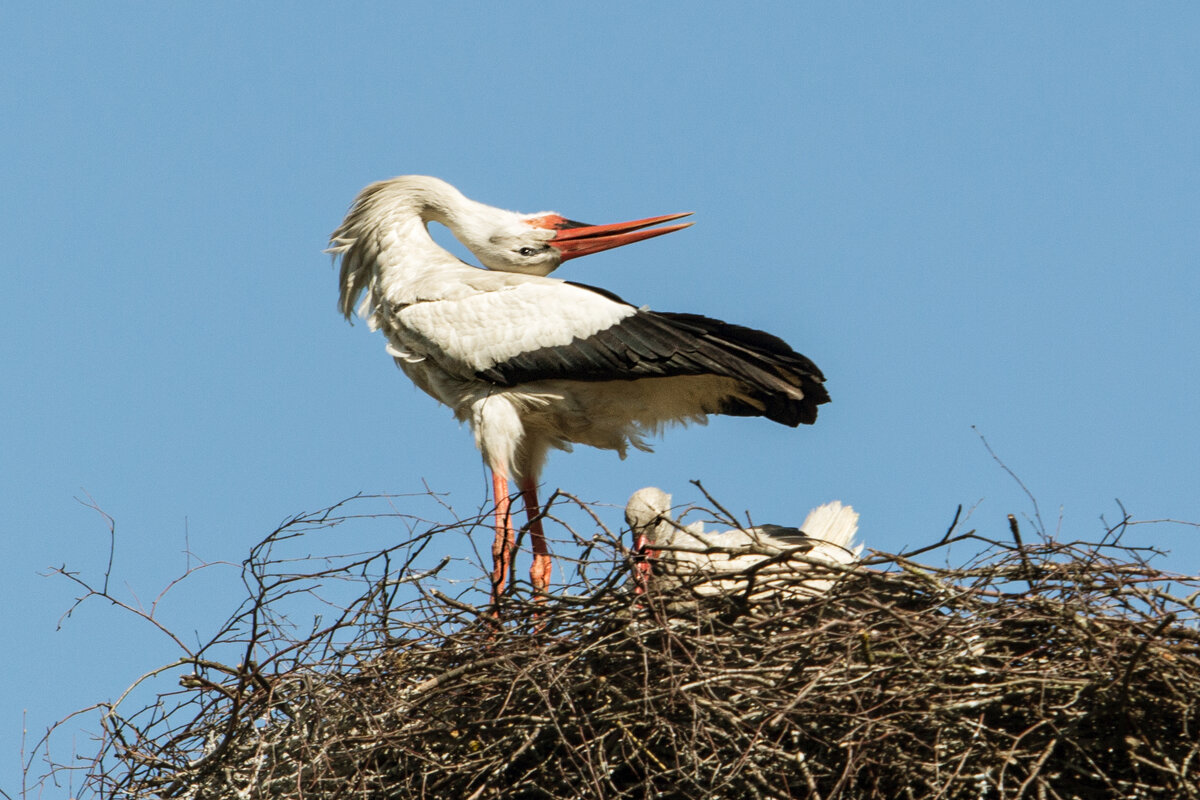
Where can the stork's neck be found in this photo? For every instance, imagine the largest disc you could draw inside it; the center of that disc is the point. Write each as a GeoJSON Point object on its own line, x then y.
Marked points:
{"type": "Point", "coordinates": [384, 242]}
{"type": "Point", "coordinates": [405, 209]}
{"type": "Point", "coordinates": [406, 248]}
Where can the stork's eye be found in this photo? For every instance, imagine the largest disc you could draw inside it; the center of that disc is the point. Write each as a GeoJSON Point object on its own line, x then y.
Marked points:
{"type": "Point", "coordinates": [528, 251]}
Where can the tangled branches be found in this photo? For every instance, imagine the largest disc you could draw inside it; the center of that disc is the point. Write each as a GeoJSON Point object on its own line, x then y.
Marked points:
{"type": "Point", "coordinates": [1047, 670]}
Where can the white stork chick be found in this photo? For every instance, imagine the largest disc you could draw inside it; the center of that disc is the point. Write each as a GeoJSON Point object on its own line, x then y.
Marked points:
{"type": "Point", "coordinates": [759, 562]}
{"type": "Point", "coordinates": [533, 362]}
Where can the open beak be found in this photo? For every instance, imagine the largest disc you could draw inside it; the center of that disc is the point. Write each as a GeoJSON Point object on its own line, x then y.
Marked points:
{"type": "Point", "coordinates": [574, 239]}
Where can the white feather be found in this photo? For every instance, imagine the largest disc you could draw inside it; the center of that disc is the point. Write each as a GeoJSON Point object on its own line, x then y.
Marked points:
{"type": "Point", "coordinates": [499, 320]}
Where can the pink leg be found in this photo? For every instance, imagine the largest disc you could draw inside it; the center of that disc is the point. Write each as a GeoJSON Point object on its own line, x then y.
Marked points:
{"type": "Point", "coordinates": [502, 546]}
{"type": "Point", "coordinates": [539, 573]}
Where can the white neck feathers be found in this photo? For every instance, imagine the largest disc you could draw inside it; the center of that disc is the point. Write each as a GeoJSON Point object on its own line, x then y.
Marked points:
{"type": "Point", "coordinates": [384, 235]}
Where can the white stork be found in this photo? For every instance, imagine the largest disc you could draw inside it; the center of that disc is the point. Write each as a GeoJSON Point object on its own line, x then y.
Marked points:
{"type": "Point", "coordinates": [533, 362]}
{"type": "Point", "coordinates": [763, 561]}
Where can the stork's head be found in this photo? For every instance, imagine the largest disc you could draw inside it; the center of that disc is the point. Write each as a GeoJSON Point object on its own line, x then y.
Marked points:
{"type": "Point", "coordinates": [646, 513]}
{"type": "Point", "coordinates": [385, 229]}
{"type": "Point", "coordinates": [535, 244]}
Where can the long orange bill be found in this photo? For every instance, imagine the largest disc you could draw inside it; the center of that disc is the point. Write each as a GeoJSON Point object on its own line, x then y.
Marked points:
{"type": "Point", "coordinates": [574, 239]}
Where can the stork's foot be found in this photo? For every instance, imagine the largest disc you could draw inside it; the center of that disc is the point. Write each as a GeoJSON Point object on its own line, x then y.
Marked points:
{"type": "Point", "coordinates": [506, 537]}
{"type": "Point", "coordinates": [539, 574]}
{"type": "Point", "coordinates": [502, 549]}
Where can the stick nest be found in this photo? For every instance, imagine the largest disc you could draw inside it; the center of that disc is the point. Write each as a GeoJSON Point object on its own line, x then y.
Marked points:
{"type": "Point", "coordinates": [1044, 670]}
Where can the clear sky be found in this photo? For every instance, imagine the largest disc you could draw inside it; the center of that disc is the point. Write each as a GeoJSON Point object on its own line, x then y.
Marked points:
{"type": "Point", "coordinates": [977, 219]}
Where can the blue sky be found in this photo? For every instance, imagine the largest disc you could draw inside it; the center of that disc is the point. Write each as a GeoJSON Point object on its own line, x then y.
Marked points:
{"type": "Point", "coordinates": [975, 219]}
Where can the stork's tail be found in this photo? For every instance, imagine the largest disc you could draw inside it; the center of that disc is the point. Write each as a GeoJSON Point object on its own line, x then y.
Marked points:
{"type": "Point", "coordinates": [833, 525]}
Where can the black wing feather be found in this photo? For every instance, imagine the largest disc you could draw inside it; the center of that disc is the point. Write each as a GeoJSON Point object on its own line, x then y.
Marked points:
{"type": "Point", "coordinates": [792, 537]}
{"type": "Point", "coordinates": [786, 386]}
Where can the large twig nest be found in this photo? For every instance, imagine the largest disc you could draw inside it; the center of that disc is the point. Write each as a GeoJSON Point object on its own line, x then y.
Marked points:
{"type": "Point", "coordinates": [1055, 670]}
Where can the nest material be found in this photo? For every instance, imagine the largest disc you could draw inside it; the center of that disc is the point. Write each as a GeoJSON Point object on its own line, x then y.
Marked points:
{"type": "Point", "coordinates": [1047, 670]}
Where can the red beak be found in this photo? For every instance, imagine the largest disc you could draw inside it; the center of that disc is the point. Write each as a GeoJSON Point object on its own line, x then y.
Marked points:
{"type": "Point", "coordinates": [580, 239]}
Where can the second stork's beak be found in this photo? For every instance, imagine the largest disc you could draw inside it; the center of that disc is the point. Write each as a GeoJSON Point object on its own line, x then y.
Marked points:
{"type": "Point", "coordinates": [574, 239]}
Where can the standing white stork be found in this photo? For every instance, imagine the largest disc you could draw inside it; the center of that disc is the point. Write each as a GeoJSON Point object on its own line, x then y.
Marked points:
{"type": "Point", "coordinates": [534, 362]}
